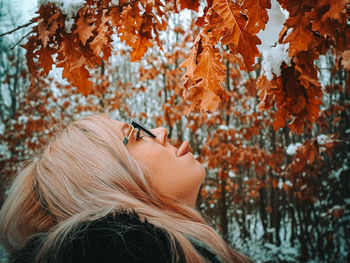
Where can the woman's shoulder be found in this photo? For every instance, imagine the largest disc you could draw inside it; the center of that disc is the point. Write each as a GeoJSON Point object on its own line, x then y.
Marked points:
{"type": "Point", "coordinates": [120, 237]}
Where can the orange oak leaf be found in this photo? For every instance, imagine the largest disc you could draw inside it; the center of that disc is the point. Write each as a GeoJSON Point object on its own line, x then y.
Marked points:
{"type": "Point", "coordinates": [346, 60]}
{"type": "Point", "coordinates": [50, 19]}
{"type": "Point", "coordinates": [85, 24]}
{"type": "Point", "coordinates": [191, 62]}
{"type": "Point", "coordinates": [79, 77]}
{"type": "Point", "coordinates": [189, 4]}
{"type": "Point", "coordinates": [335, 9]}
{"type": "Point", "coordinates": [257, 14]}
{"type": "Point", "coordinates": [301, 36]}
{"type": "Point", "coordinates": [43, 32]}
{"type": "Point", "coordinates": [115, 16]}
{"type": "Point", "coordinates": [327, 16]}
{"type": "Point", "coordinates": [201, 20]}
{"type": "Point", "coordinates": [102, 41]}
{"type": "Point", "coordinates": [231, 30]}
{"type": "Point", "coordinates": [45, 58]}
{"type": "Point", "coordinates": [130, 22]}
{"type": "Point", "coordinates": [265, 92]}
{"type": "Point", "coordinates": [280, 119]}
{"type": "Point", "coordinates": [208, 75]}
{"type": "Point", "coordinates": [30, 47]}
{"type": "Point", "coordinates": [74, 65]}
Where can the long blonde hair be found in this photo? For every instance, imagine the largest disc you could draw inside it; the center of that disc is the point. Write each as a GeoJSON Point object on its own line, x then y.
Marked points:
{"type": "Point", "coordinates": [84, 173]}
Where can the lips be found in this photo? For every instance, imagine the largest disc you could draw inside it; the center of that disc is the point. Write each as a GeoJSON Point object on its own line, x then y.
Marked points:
{"type": "Point", "coordinates": [183, 149]}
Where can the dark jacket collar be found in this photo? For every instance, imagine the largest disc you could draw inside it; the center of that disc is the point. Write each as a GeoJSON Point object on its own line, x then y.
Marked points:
{"type": "Point", "coordinates": [122, 237]}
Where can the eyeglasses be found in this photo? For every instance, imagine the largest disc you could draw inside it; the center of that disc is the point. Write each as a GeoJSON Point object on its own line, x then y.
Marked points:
{"type": "Point", "coordinates": [141, 129]}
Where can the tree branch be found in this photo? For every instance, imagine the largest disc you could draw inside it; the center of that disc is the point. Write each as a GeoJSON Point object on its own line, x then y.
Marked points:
{"type": "Point", "coordinates": [21, 40]}
{"type": "Point", "coordinates": [19, 27]}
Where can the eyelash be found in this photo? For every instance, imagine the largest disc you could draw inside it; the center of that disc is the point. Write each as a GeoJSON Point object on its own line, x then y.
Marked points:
{"type": "Point", "coordinates": [137, 135]}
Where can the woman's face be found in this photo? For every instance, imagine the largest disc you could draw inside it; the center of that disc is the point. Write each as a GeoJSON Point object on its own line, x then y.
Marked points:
{"type": "Point", "coordinates": [174, 171]}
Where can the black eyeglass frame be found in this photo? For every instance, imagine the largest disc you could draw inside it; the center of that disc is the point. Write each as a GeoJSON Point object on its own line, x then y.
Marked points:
{"type": "Point", "coordinates": [137, 125]}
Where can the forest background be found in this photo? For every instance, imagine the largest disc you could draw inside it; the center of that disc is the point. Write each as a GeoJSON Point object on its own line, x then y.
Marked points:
{"type": "Point", "coordinates": [270, 121]}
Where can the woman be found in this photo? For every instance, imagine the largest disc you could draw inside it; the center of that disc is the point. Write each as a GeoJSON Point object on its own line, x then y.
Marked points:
{"type": "Point", "coordinates": [108, 191]}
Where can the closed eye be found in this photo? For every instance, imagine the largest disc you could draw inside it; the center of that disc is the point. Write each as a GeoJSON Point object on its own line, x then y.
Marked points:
{"type": "Point", "coordinates": [139, 135]}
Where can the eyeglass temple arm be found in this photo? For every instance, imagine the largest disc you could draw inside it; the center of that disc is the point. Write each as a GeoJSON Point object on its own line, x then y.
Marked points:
{"type": "Point", "coordinates": [126, 139]}
{"type": "Point", "coordinates": [138, 125]}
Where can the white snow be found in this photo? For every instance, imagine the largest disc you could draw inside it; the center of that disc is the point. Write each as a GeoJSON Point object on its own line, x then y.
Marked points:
{"type": "Point", "coordinates": [68, 7]}
{"type": "Point", "coordinates": [273, 58]}
{"type": "Point", "coordinates": [274, 25]}
{"type": "Point", "coordinates": [231, 174]}
{"type": "Point", "coordinates": [285, 12]}
{"type": "Point", "coordinates": [323, 139]}
{"type": "Point", "coordinates": [22, 119]}
{"type": "Point", "coordinates": [292, 148]}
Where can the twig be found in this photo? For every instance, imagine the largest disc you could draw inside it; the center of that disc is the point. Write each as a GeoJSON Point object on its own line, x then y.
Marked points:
{"type": "Point", "coordinates": [19, 27]}
{"type": "Point", "coordinates": [121, 5]}
{"type": "Point", "coordinates": [21, 40]}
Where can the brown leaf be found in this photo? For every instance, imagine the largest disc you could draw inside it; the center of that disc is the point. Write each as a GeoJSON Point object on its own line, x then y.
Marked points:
{"type": "Point", "coordinates": [102, 41]}
{"type": "Point", "coordinates": [189, 4]}
{"type": "Point", "coordinates": [280, 119]}
{"type": "Point", "coordinates": [346, 60]}
{"type": "Point", "coordinates": [209, 74]}
{"type": "Point", "coordinates": [231, 30]}
{"type": "Point", "coordinates": [30, 47]}
{"type": "Point", "coordinates": [300, 37]}
{"type": "Point", "coordinates": [257, 14]}
{"type": "Point", "coordinates": [45, 58]}
{"type": "Point", "coordinates": [85, 25]}
{"type": "Point", "coordinates": [43, 32]}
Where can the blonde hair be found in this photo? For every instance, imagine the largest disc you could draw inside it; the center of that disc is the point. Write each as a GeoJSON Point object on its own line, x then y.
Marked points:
{"type": "Point", "coordinates": [83, 174]}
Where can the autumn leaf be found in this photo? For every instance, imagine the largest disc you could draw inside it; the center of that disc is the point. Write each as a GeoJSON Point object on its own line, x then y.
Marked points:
{"type": "Point", "coordinates": [280, 119]}
{"type": "Point", "coordinates": [300, 37]}
{"type": "Point", "coordinates": [346, 60]}
{"type": "Point", "coordinates": [30, 47]}
{"type": "Point", "coordinates": [140, 48]}
{"type": "Point", "coordinates": [191, 62]}
{"type": "Point", "coordinates": [208, 75]}
{"type": "Point", "coordinates": [335, 9]}
{"type": "Point", "coordinates": [45, 58]}
{"type": "Point", "coordinates": [43, 31]}
{"type": "Point", "coordinates": [327, 17]}
{"type": "Point", "coordinates": [74, 66]}
{"type": "Point", "coordinates": [231, 30]}
{"type": "Point", "coordinates": [257, 14]}
{"type": "Point", "coordinates": [102, 41]}
{"type": "Point", "coordinates": [115, 16]}
{"type": "Point", "coordinates": [265, 93]}
{"type": "Point", "coordinates": [85, 25]}
{"type": "Point", "coordinates": [190, 4]}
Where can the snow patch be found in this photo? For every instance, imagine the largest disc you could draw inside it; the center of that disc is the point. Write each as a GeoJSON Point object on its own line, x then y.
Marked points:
{"type": "Point", "coordinates": [323, 139]}
{"type": "Point", "coordinates": [231, 174]}
{"type": "Point", "coordinates": [273, 58]}
{"type": "Point", "coordinates": [292, 148]}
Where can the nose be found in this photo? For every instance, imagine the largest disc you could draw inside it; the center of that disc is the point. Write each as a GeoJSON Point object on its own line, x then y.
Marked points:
{"type": "Point", "coordinates": [161, 134]}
